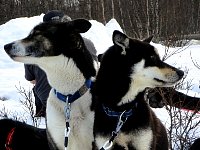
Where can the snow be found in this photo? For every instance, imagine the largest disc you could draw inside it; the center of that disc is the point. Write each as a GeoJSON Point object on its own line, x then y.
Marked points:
{"type": "Point", "coordinates": [12, 73]}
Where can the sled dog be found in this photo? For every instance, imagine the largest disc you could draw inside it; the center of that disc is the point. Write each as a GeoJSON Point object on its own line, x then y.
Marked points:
{"type": "Point", "coordinates": [123, 119]}
{"type": "Point", "coordinates": [59, 50]}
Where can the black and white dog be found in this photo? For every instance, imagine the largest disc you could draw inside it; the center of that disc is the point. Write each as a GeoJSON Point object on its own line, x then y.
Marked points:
{"type": "Point", "coordinates": [15, 135]}
{"type": "Point", "coordinates": [59, 50]}
{"type": "Point", "coordinates": [122, 116]}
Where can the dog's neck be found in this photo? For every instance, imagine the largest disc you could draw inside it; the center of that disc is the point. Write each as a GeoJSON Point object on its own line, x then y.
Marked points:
{"type": "Point", "coordinates": [131, 104]}
{"type": "Point", "coordinates": [62, 72]}
{"type": "Point", "coordinates": [117, 94]}
{"type": "Point", "coordinates": [132, 93]}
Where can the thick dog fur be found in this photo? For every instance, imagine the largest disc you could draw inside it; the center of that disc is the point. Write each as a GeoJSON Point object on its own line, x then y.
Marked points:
{"type": "Point", "coordinates": [24, 137]}
{"type": "Point", "coordinates": [59, 50]}
{"type": "Point", "coordinates": [127, 68]}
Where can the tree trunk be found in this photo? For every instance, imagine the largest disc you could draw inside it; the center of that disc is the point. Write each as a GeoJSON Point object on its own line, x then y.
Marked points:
{"type": "Point", "coordinates": [113, 9]}
{"type": "Point", "coordinates": [103, 12]}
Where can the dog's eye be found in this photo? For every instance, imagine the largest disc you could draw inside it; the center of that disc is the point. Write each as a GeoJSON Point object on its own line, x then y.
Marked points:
{"type": "Point", "coordinates": [36, 33]}
{"type": "Point", "coordinates": [33, 34]}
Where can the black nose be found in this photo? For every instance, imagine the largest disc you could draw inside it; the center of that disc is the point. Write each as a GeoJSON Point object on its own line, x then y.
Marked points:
{"type": "Point", "coordinates": [180, 73]}
{"type": "Point", "coordinates": [8, 47]}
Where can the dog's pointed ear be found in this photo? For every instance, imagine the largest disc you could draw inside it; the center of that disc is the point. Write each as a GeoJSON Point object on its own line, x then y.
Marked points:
{"type": "Point", "coordinates": [121, 40]}
{"type": "Point", "coordinates": [149, 39]}
{"type": "Point", "coordinates": [81, 25]}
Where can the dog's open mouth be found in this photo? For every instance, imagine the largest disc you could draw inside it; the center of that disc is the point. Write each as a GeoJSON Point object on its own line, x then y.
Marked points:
{"type": "Point", "coordinates": [158, 80]}
{"type": "Point", "coordinates": [12, 56]}
{"type": "Point", "coordinates": [164, 82]}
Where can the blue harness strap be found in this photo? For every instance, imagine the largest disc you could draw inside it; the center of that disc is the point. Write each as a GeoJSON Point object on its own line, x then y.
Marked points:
{"type": "Point", "coordinates": [71, 98]}
{"type": "Point", "coordinates": [122, 117]}
{"type": "Point", "coordinates": [126, 113]}
{"type": "Point", "coordinates": [109, 112]}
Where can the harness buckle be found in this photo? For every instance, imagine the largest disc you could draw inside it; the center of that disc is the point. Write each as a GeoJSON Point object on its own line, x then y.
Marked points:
{"type": "Point", "coordinates": [67, 109]}
{"type": "Point", "coordinates": [83, 89]}
{"type": "Point", "coordinates": [108, 144]}
{"type": "Point", "coordinates": [67, 131]}
{"type": "Point", "coordinates": [120, 122]}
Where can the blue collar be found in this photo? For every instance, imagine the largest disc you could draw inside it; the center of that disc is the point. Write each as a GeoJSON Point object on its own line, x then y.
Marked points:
{"type": "Point", "coordinates": [71, 98]}
{"type": "Point", "coordinates": [111, 113]}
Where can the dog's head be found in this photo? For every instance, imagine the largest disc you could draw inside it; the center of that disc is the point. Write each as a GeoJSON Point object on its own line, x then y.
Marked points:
{"type": "Point", "coordinates": [53, 45]}
{"type": "Point", "coordinates": [130, 65]}
{"type": "Point", "coordinates": [50, 39]}
{"type": "Point", "coordinates": [143, 62]}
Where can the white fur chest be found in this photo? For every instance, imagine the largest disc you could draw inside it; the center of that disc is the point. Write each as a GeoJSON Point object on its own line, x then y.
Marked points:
{"type": "Point", "coordinates": [64, 75]}
{"type": "Point", "coordinates": [81, 122]}
{"type": "Point", "coordinates": [141, 139]}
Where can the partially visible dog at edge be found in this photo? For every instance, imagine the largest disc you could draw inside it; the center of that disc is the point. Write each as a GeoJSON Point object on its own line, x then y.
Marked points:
{"type": "Point", "coordinates": [122, 116]}
{"type": "Point", "coordinates": [16, 135]}
{"type": "Point", "coordinates": [59, 50]}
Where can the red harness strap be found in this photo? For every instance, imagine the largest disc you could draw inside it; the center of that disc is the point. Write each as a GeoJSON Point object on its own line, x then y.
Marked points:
{"type": "Point", "coordinates": [189, 110]}
{"type": "Point", "coordinates": [9, 139]}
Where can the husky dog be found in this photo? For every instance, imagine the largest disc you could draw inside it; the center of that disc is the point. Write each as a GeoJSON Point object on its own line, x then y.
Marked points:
{"type": "Point", "coordinates": [122, 116]}
{"type": "Point", "coordinates": [15, 135]}
{"type": "Point", "coordinates": [59, 50]}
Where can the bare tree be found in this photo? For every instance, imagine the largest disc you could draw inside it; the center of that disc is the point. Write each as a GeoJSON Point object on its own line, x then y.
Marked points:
{"type": "Point", "coordinates": [28, 103]}
{"type": "Point", "coordinates": [103, 11]}
{"type": "Point", "coordinates": [139, 18]}
{"type": "Point", "coordinates": [71, 3]}
{"type": "Point", "coordinates": [113, 9]}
